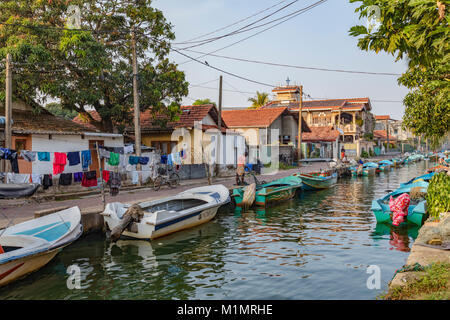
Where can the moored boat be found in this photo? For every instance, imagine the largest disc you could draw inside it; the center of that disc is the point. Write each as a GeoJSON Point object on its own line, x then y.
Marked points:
{"type": "Point", "coordinates": [318, 180]}
{"type": "Point", "coordinates": [168, 215]}
{"type": "Point", "coordinates": [416, 209]}
{"type": "Point", "coordinates": [28, 246]}
{"type": "Point", "coordinates": [277, 190]}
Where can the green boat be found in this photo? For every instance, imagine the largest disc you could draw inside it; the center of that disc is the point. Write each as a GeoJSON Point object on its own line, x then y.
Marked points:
{"type": "Point", "coordinates": [317, 180]}
{"type": "Point", "coordinates": [278, 190]}
{"type": "Point", "coordinates": [416, 211]}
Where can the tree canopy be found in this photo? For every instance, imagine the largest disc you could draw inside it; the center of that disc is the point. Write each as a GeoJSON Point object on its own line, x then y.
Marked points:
{"type": "Point", "coordinates": [417, 31]}
{"type": "Point", "coordinates": [90, 66]}
{"type": "Point", "coordinates": [200, 102]}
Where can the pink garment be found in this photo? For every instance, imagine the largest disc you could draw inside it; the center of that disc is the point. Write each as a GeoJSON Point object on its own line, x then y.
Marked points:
{"type": "Point", "coordinates": [399, 208]}
{"type": "Point", "coordinates": [59, 162]}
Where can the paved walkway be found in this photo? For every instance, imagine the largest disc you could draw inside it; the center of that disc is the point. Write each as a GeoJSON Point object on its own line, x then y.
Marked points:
{"type": "Point", "coordinates": [10, 215]}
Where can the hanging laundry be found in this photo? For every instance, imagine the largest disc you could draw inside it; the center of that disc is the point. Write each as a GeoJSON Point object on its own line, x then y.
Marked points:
{"type": "Point", "coordinates": [103, 153]}
{"type": "Point", "coordinates": [36, 178]}
{"type": "Point", "coordinates": [74, 158]}
{"type": "Point", "coordinates": [5, 153]}
{"type": "Point", "coordinates": [59, 162]}
{"type": "Point", "coordinates": [28, 155]}
{"type": "Point", "coordinates": [65, 179]}
{"type": "Point", "coordinates": [128, 149]}
{"type": "Point", "coordinates": [164, 159]}
{"type": "Point", "coordinates": [77, 176]}
{"type": "Point", "coordinates": [143, 160]}
{"type": "Point", "coordinates": [114, 159]}
{"type": "Point", "coordinates": [13, 160]}
{"type": "Point", "coordinates": [106, 175]}
{"type": "Point", "coordinates": [134, 177]}
{"type": "Point", "coordinates": [86, 160]}
{"type": "Point", "coordinates": [89, 179]}
{"type": "Point", "coordinates": [17, 178]}
{"type": "Point", "coordinates": [176, 158]}
{"type": "Point", "coordinates": [47, 181]}
{"type": "Point", "coordinates": [44, 156]}
{"type": "Point", "coordinates": [169, 160]}
{"type": "Point", "coordinates": [133, 160]}
{"type": "Point", "coordinates": [114, 183]}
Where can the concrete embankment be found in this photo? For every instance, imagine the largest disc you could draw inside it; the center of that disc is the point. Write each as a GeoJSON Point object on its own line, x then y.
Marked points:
{"type": "Point", "coordinates": [431, 247]}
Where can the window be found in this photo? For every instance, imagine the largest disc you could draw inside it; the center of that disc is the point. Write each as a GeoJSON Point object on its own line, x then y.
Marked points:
{"type": "Point", "coordinates": [164, 146]}
{"type": "Point", "coordinates": [21, 144]}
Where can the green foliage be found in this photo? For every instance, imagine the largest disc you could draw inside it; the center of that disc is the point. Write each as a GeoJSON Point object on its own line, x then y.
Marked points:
{"type": "Point", "coordinates": [261, 99]}
{"type": "Point", "coordinates": [371, 153]}
{"type": "Point", "coordinates": [368, 136]}
{"type": "Point", "coordinates": [92, 68]}
{"type": "Point", "coordinates": [200, 102]}
{"type": "Point", "coordinates": [438, 195]}
{"type": "Point", "coordinates": [364, 154]}
{"type": "Point", "coordinates": [418, 31]}
{"type": "Point", "coordinates": [56, 109]}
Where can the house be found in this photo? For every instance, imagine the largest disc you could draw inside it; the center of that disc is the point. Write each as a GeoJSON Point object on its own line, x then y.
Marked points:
{"type": "Point", "coordinates": [36, 129]}
{"type": "Point", "coordinates": [394, 127]}
{"type": "Point", "coordinates": [264, 128]}
{"type": "Point", "coordinates": [196, 133]}
{"type": "Point", "coordinates": [352, 117]}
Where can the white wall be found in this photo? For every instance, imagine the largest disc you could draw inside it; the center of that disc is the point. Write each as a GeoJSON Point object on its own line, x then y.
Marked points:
{"type": "Point", "coordinates": [65, 143]}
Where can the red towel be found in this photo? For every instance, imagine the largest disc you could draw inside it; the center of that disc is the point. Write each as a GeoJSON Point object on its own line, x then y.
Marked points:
{"type": "Point", "coordinates": [106, 175]}
{"type": "Point", "coordinates": [59, 162]}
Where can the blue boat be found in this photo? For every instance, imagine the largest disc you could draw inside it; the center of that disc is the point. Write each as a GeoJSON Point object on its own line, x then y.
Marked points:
{"type": "Point", "coordinates": [416, 211]}
{"type": "Point", "coordinates": [426, 177]}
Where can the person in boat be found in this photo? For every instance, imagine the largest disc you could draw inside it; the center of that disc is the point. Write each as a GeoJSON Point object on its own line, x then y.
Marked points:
{"type": "Point", "coordinates": [240, 170]}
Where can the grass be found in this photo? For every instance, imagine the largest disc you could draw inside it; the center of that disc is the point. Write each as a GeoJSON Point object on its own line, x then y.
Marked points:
{"type": "Point", "coordinates": [433, 285]}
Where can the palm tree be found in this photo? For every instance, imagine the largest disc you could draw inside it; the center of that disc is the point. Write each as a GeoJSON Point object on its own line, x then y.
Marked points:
{"type": "Point", "coordinates": [261, 99]}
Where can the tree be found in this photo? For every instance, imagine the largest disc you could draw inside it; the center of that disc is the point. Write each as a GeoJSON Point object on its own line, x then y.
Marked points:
{"type": "Point", "coordinates": [200, 102]}
{"type": "Point", "coordinates": [261, 99]}
{"type": "Point", "coordinates": [92, 69]}
{"type": "Point", "coordinates": [56, 109]}
{"type": "Point", "coordinates": [416, 30]}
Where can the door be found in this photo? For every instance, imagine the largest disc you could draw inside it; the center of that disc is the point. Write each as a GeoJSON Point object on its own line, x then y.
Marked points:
{"type": "Point", "coordinates": [94, 157]}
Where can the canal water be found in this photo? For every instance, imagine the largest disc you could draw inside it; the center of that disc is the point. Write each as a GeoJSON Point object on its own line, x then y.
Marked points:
{"type": "Point", "coordinates": [317, 246]}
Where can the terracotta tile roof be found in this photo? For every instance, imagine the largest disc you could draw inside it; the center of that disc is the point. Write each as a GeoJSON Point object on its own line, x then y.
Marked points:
{"type": "Point", "coordinates": [84, 121]}
{"type": "Point", "coordinates": [381, 134]}
{"type": "Point", "coordinates": [260, 118]}
{"type": "Point", "coordinates": [326, 133]}
{"type": "Point", "coordinates": [332, 104]}
{"type": "Point", "coordinates": [43, 122]}
{"type": "Point", "coordinates": [384, 117]}
{"type": "Point", "coordinates": [286, 88]}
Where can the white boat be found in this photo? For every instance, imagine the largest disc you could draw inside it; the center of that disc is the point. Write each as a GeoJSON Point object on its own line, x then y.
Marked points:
{"type": "Point", "coordinates": [164, 216]}
{"type": "Point", "coordinates": [28, 246]}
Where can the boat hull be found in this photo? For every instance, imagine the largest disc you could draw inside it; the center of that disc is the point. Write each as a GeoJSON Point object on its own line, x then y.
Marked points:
{"type": "Point", "coordinates": [16, 269]}
{"type": "Point", "coordinates": [385, 217]}
{"type": "Point", "coordinates": [266, 196]}
{"type": "Point", "coordinates": [313, 184]}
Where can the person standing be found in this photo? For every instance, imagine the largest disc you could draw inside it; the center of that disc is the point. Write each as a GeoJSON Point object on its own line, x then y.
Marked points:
{"type": "Point", "coordinates": [342, 154]}
{"type": "Point", "coordinates": [240, 170]}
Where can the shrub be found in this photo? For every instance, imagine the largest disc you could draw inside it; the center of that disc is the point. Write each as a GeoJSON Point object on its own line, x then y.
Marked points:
{"type": "Point", "coordinates": [364, 154]}
{"type": "Point", "coordinates": [438, 194]}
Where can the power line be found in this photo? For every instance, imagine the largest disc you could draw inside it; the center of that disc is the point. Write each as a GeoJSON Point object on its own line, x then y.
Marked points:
{"type": "Point", "coordinates": [244, 28]}
{"type": "Point", "coordinates": [295, 66]}
{"type": "Point", "coordinates": [232, 24]}
{"type": "Point", "coordinates": [303, 10]}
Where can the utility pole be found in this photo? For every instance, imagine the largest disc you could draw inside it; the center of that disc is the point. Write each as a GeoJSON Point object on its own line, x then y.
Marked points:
{"type": "Point", "coordinates": [219, 122]}
{"type": "Point", "coordinates": [8, 108]}
{"type": "Point", "coordinates": [300, 105]}
{"type": "Point", "coordinates": [137, 112]}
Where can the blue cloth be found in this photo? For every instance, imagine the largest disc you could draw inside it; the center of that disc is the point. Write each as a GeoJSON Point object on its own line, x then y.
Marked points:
{"type": "Point", "coordinates": [133, 160]}
{"type": "Point", "coordinates": [5, 153]}
{"type": "Point", "coordinates": [144, 160]}
{"type": "Point", "coordinates": [163, 159]}
{"type": "Point", "coordinates": [86, 160]}
{"type": "Point", "coordinates": [74, 158]}
{"type": "Point", "coordinates": [44, 156]}
{"type": "Point", "coordinates": [169, 160]}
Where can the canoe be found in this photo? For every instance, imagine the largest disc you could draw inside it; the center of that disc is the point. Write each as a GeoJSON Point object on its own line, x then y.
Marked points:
{"type": "Point", "coordinates": [14, 191]}
{"type": "Point", "coordinates": [426, 177]}
{"type": "Point", "coordinates": [318, 180]}
{"type": "Point", "coordinates": [416, 211]}
{"type": "Point", "coordinates": [168, 215]}
{"type": "Point", "coordinates": [30, 245]}
{"type": "Point", "coordinates": [277, 190]}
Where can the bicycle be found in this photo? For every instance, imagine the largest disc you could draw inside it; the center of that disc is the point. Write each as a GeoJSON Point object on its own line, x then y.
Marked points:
{"type": "Point", "coordinates": [166, 176]}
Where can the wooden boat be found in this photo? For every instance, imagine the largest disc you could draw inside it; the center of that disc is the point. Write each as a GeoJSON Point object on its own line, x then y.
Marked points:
{"type": "Point", "coordinates": [416, 210]}
{"type": "Point", "coordinates": [277, 190]}
{"type": "Point", "coordinates": [14, 191]}
{"type": "Point", "coordinates": [164, 216]}
{"type": "Point", "coordinates": [30, 245]}
{"type": "Point", "coordinates": [318, 180]}
{"type": "Point", "coordinates": [426, 177]}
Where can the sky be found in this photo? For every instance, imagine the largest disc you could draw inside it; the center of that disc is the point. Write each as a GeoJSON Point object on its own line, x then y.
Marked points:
{"type": "Point", "coordinates": [318, 38]}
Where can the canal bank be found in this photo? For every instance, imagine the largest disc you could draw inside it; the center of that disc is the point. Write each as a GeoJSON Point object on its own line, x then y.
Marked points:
{"type": "Point", "coordinates": [316, 246]}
